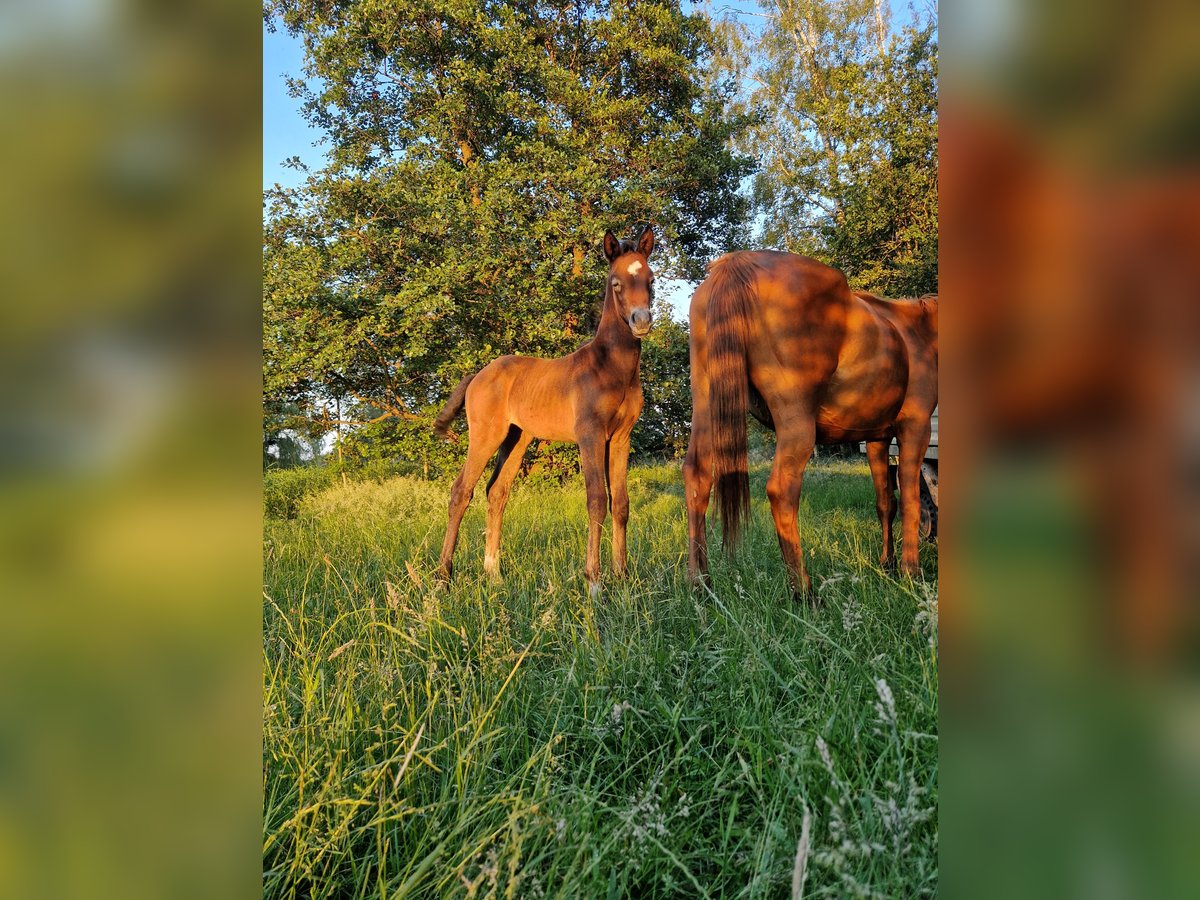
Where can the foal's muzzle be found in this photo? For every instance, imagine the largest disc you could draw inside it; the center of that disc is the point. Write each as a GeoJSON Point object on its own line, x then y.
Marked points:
{"type": "Point", "coordinates": [640, 322]}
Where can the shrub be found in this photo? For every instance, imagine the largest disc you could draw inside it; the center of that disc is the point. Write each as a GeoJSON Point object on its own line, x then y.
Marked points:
{"type": "Point", "coordinates": [283, 489]}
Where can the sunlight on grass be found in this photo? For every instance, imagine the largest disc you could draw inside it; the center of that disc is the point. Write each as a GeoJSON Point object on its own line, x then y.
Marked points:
{"type": "Point", "coordinates": [518, 740]}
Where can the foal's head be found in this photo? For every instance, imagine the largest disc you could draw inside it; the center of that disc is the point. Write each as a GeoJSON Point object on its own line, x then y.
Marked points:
{"type": "Point", "coordinates": [629, 279]}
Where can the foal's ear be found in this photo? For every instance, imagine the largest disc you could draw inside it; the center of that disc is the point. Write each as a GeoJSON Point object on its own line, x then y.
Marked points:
{"type": "Point", "coordinates": [645, 242]}
{"type": "Point", "coordinates": [612, 247]}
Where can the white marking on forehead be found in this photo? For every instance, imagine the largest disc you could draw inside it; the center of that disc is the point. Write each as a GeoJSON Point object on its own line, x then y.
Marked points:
{"type": "Point", "coordinates": [634, 267]}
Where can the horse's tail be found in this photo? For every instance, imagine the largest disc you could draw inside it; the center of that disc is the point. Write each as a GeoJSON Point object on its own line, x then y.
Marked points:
{"type": "Point", "coordinates": [459, 397]}
{"type": "Point", "coordinates": [731, 286]}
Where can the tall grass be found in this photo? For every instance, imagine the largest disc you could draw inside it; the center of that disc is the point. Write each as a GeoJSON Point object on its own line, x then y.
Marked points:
{"type": "Point", "coordinates": [519, 740]}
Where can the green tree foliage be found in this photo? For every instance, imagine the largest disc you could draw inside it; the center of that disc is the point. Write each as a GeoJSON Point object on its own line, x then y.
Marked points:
{"type": "Point", "coordinates": [477, 152]}
{"type": "Point", "coordinates": [846, 136]}
{"type": "Point", "coordinates": [887, 235]}
{"type": "Point", "coordinates": [666, 422]}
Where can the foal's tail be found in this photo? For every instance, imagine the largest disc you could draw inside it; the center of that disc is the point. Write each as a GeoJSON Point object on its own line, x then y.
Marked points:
{"type": "Point", "coordinates": [731, 286]}
{"type": "Point", "coordinates": [459, 397]}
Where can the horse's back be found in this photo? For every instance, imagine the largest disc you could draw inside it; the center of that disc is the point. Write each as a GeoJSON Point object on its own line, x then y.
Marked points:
{"type": "Point", "coordinates": [527, 391]}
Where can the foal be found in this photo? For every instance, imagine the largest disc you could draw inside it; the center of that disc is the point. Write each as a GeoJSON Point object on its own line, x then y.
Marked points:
{"type": "Point", "coordinates": [592, 397]}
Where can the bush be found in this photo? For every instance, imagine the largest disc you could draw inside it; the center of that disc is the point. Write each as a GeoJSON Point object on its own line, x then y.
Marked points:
{"type": "Point", "coordinates": [283, 489]}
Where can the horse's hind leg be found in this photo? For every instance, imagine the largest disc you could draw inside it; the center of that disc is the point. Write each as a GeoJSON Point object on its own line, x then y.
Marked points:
{"type": "Point", "coordinates": [508, 463]}
{"type": "Point", "coordinates": [698, 479]}
{"type": "Point", "coordinates": [485, 438]}
{"type": "Point", "coordinates": [796, 436]}
{"type": "Point", "coordinates": [885, 499]}
{"type": "Point", "coordinates": [914, 441]}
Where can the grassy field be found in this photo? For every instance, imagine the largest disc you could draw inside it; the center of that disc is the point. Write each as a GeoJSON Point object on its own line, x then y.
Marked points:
{"type": "Point", "coordinates": [518, 740]}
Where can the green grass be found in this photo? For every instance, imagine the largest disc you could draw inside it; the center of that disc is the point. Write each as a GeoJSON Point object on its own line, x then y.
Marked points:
{"type": "Point", "coordinates": [518, 740]}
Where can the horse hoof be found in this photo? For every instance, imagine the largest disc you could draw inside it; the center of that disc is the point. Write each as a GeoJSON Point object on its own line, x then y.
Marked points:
{"type": "Point", "coordinates": [594, 590]}
{"type": "Point", "coordinates": [806, 598]}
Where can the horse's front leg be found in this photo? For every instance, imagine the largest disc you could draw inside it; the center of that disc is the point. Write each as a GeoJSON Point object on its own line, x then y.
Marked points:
{"type": "Point", "coordinates": [591, 458]}
{"type": "Point", "coordinates": [618, 489]}
{"type": "Point", "coordinates": [885, 500]}
{"type": "Point", "coordinates": [913, 439]}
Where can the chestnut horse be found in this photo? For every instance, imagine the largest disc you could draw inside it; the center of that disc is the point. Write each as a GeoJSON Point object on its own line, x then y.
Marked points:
{"type": "Point", "coordinates": [783, 337]}
{"type": "Point", "coordinates": [592, 397]}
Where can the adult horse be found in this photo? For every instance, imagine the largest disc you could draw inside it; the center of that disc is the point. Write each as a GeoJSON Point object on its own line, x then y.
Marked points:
{"type": "Point", "coordinates": [783, 337]}
{"type": "Point", "coordinates": [592, 397]}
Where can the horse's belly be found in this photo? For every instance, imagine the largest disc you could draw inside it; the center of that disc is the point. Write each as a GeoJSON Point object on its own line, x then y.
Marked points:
{"type": "Point", "coordinates": [856, 410]}
{"type": "Point", "coordinates": [536, 403]}
{"type": "Point", "coordinates": [547, 427]}
{"type": "Point", "coordinates": [866, 391]}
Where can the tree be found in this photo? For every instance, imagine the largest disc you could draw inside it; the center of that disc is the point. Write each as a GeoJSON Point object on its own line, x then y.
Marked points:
{"type": "Point", "coordinates": [666, 422]}
{"type": "Point", "coordinates": [846, 137]}
{"type": "Point", "coordinates": [886, 237]}
{"type": "Point", "coordinates": [477, 153]}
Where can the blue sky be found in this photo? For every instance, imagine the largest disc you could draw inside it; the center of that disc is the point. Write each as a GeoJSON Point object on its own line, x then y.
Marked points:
{"type": "Point", "coordinates": [285, 133]}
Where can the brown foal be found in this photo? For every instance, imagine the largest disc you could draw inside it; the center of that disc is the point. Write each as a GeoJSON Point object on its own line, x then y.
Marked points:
{"type": "Point", "coordinates": [592, 397]}
{"type": "Point", "coordinates": [783, 337]}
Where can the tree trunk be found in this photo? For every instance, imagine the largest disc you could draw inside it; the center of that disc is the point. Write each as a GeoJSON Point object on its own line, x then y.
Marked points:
{"type": "Point", "coordinates": [467, 154]}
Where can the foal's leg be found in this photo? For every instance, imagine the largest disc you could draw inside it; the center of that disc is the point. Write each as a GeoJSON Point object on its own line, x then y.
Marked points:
{"type": "Point", "coordinates": [618, 494]}
{"type": "Point", "coordinates": [485, 437]}
{"type": "Point", "coordinates": [885, 499]}
{"type": "Point", "coordinates": [591, 458]}
{"type": "Point", "coordinates": [914, 441]}
{"type": "Point", "coordinates": [508, 463]}
{"type": "Point", "coordinates": [796, 436]}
